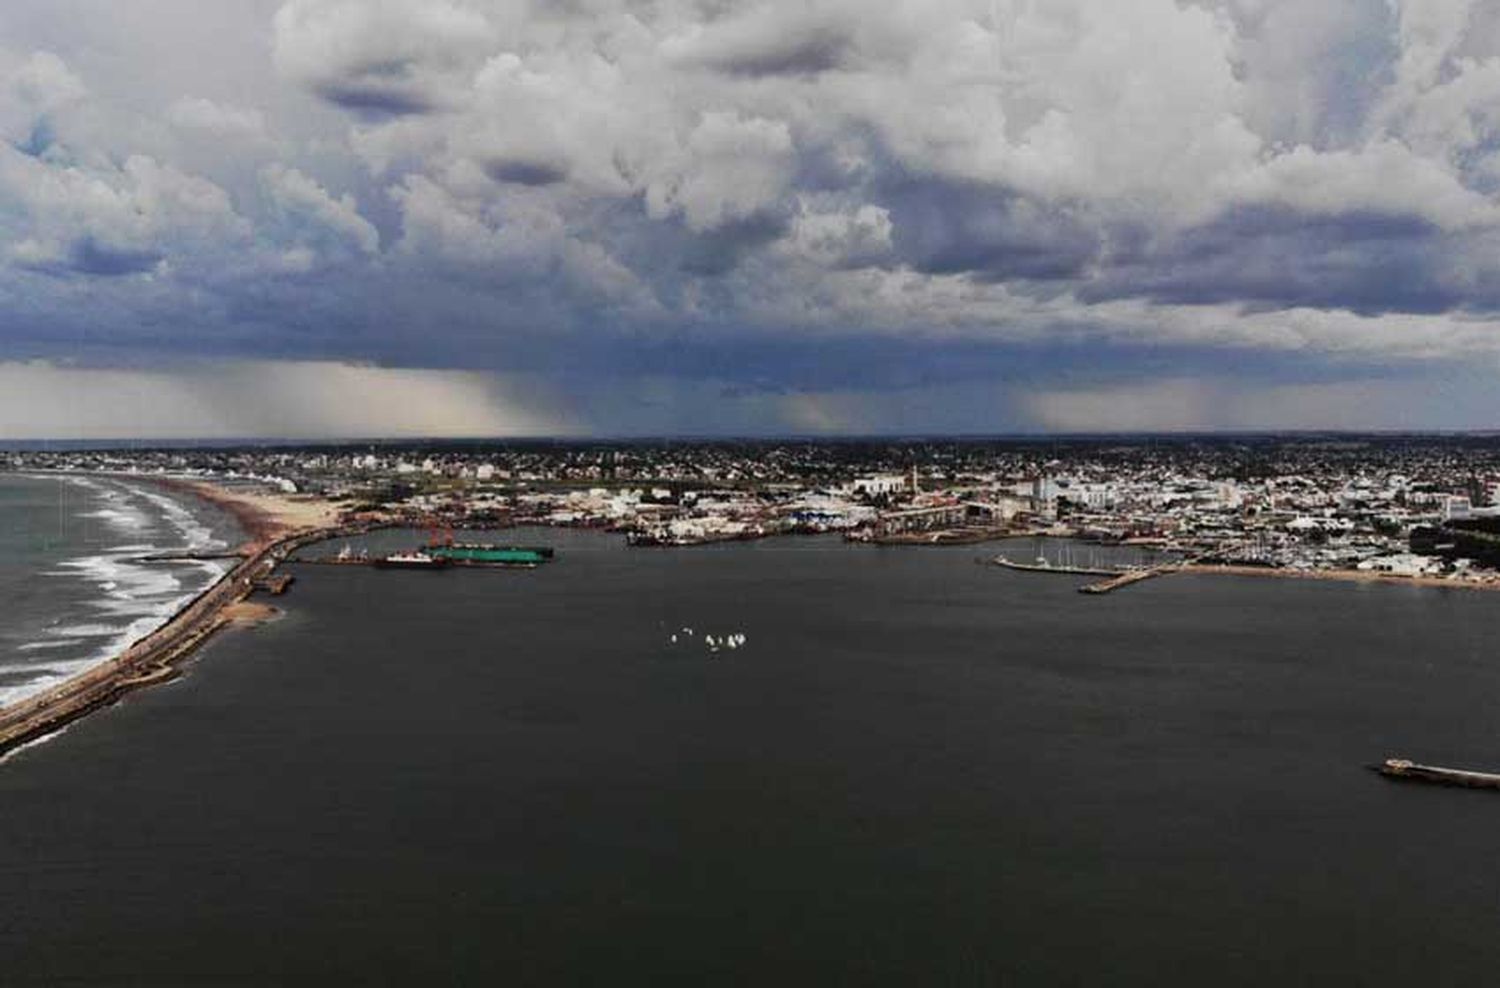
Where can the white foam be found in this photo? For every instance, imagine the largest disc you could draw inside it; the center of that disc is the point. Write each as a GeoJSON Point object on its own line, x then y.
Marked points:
{"type": "Point", "coordinates": [124, 579]}
{"type": "Point", "coordinates": [141, 596]}
{"type": "Point", "coordinates": [34, 742]}
{"type": "Point", "coordinates": [127, 521]}
{"type": "Point", "coordinates": [85, 631]}
{"type": "Point", "coordinates": [184, 521]}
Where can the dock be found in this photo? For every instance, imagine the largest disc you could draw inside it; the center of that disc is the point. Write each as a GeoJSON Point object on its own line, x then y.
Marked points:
{"type": "Point", "coordinates": [1062, 570]}
{"type": "Point", "coordinates": [1403, 770]}
{"type": "Point", "coordinates": [274, 585]}
{"type": "Point", "coordinates": [1128, 578]}
{"type": "Point", "coordinates": [1114, 579]}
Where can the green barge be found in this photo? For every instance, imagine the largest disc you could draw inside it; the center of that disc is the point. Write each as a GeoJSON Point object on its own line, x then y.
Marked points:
{"type": "Point", "coordinates": [462, 554]}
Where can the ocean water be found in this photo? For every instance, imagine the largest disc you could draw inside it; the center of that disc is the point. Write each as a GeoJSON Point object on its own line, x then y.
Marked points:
{"type": "Point", "coordinates": [74, 587]}
{"type": "Point", "coordinates": [916, 770]}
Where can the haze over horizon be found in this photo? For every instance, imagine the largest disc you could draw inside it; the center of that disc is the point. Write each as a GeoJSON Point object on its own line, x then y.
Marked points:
{"type": "Point", "coordinates": [330, 218]}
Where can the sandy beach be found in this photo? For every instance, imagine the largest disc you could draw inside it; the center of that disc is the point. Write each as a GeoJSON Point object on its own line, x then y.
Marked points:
{"type": "Point", "coordinates": [265, 517]}
{"type": "Point", "coordinates": [1343, 576]}
{"type": "Point", "coordinates": [249, 613]}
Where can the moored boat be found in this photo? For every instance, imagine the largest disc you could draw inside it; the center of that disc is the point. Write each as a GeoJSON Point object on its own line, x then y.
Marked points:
{"type": "Point", "coordinates": [411, 560]}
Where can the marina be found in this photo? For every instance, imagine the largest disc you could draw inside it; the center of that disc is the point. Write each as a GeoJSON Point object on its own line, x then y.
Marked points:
{"type": "Point", "coordinates": [1042, 566]}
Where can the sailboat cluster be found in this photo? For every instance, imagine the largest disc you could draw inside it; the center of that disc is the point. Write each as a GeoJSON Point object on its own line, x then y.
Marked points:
{"type": "Point", "coordinates": [712, 643]}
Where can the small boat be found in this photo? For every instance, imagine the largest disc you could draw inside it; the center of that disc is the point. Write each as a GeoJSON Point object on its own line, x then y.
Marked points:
{"type": "Point", "coordinates": [412, 560]}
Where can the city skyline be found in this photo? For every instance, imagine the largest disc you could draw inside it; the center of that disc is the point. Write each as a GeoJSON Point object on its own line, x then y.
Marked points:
{"type": "Point", "coordinates": [328, 219]}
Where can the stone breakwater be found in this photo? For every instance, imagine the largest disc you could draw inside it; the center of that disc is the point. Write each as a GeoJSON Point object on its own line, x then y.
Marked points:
{"type": "Point", "coordinates": [155, 658]}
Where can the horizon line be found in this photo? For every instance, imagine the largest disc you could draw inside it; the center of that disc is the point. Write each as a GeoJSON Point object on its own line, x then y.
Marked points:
{"type": "Point", "coordinates": [145, 444]}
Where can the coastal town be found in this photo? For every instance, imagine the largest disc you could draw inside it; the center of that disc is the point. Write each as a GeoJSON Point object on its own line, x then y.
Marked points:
{"type": "Point", "coordinates": [1412, 507]}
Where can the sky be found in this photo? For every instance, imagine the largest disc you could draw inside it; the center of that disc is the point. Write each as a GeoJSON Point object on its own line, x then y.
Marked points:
{"type": "Point", "coordinates": [359, 218]}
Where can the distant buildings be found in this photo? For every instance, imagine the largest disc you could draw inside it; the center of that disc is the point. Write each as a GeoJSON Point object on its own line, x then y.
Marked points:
{"type": "Point", "coordinates": [1380, 504]}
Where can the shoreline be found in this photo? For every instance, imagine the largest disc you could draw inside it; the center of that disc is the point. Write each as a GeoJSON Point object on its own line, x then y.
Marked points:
{"type": "Point", "coordinates": [276, 526]}
{"type": "Point", "coordinates": [158, 656]}
{"type": "Point", "coordinates": [1342, 576]}
{"type": "Point", "coordinates": [264, 518]}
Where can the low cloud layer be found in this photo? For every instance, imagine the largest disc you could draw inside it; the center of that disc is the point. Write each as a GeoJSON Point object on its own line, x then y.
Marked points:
{"type": "Point", "coordinates": [751, 201]}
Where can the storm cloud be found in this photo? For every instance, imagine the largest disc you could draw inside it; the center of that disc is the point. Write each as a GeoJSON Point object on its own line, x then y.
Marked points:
{"type": "Point", "coordinates": [753, 205]}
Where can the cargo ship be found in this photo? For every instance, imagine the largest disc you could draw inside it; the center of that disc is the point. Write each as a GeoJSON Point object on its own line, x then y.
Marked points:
{"type": "Point", "coordinates": [412, 560]}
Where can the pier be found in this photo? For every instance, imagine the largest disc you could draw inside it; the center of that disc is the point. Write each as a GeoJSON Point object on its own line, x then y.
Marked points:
{"type": "Point", "coordinates": [1129, 578]}
{"type": "Point", "coordinates": [1114, 579]}
{"type": "Point", "coordinates": [1048, 568]}
{"type": "Point", "coordinates": [1402, 770]}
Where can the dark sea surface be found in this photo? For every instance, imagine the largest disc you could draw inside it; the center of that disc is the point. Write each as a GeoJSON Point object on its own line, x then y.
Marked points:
{"type": "Point", "coordinates": [917, 770]}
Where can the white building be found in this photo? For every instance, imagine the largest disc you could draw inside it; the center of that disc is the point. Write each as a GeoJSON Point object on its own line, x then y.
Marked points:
{"type": "Point", "coordinates": [1402, 564]}
{"type": "Point", "coordinates": [891, 483]}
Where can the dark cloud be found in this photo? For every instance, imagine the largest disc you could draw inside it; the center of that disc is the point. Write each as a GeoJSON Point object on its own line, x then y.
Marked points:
{"type": "Point", "coordinates": [718, 251]}
{"type": "Point", "coordinates": [816, 51]}
{"type": "Point", "coordinates": [946, 228]}
{"type": "Point", "coordinates": [42, 137]}
{"type": "Point", "coordinates": [522, 171]}
{"type": "Point", "coordinates": [1366, 262]}
{"type": "Point", "coordinates": [87, 256]}
{"type": "Point", "coordinates": [767, 199]}
{"type": "Point", "coordinates": [374, 99]}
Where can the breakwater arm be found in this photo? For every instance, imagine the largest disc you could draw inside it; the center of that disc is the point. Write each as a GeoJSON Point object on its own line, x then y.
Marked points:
{"type": "Point", "coordinates": [155, 658]}
{"type": "Point", "coordinates": [1404, 770]}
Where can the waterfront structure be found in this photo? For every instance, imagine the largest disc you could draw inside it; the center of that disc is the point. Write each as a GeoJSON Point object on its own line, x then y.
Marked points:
{"type": "Point", "coordinates": [1304, 504]}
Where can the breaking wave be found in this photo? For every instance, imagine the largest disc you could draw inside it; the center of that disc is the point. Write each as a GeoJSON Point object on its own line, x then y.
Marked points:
{"type": "Point", "coordinates": [109, 596]}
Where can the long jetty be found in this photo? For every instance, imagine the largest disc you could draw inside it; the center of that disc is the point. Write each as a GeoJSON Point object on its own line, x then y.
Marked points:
{"type": "Point", "coordinates": [157, 657]}
{"type": "Point", "coordinates": [1403, 770]}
